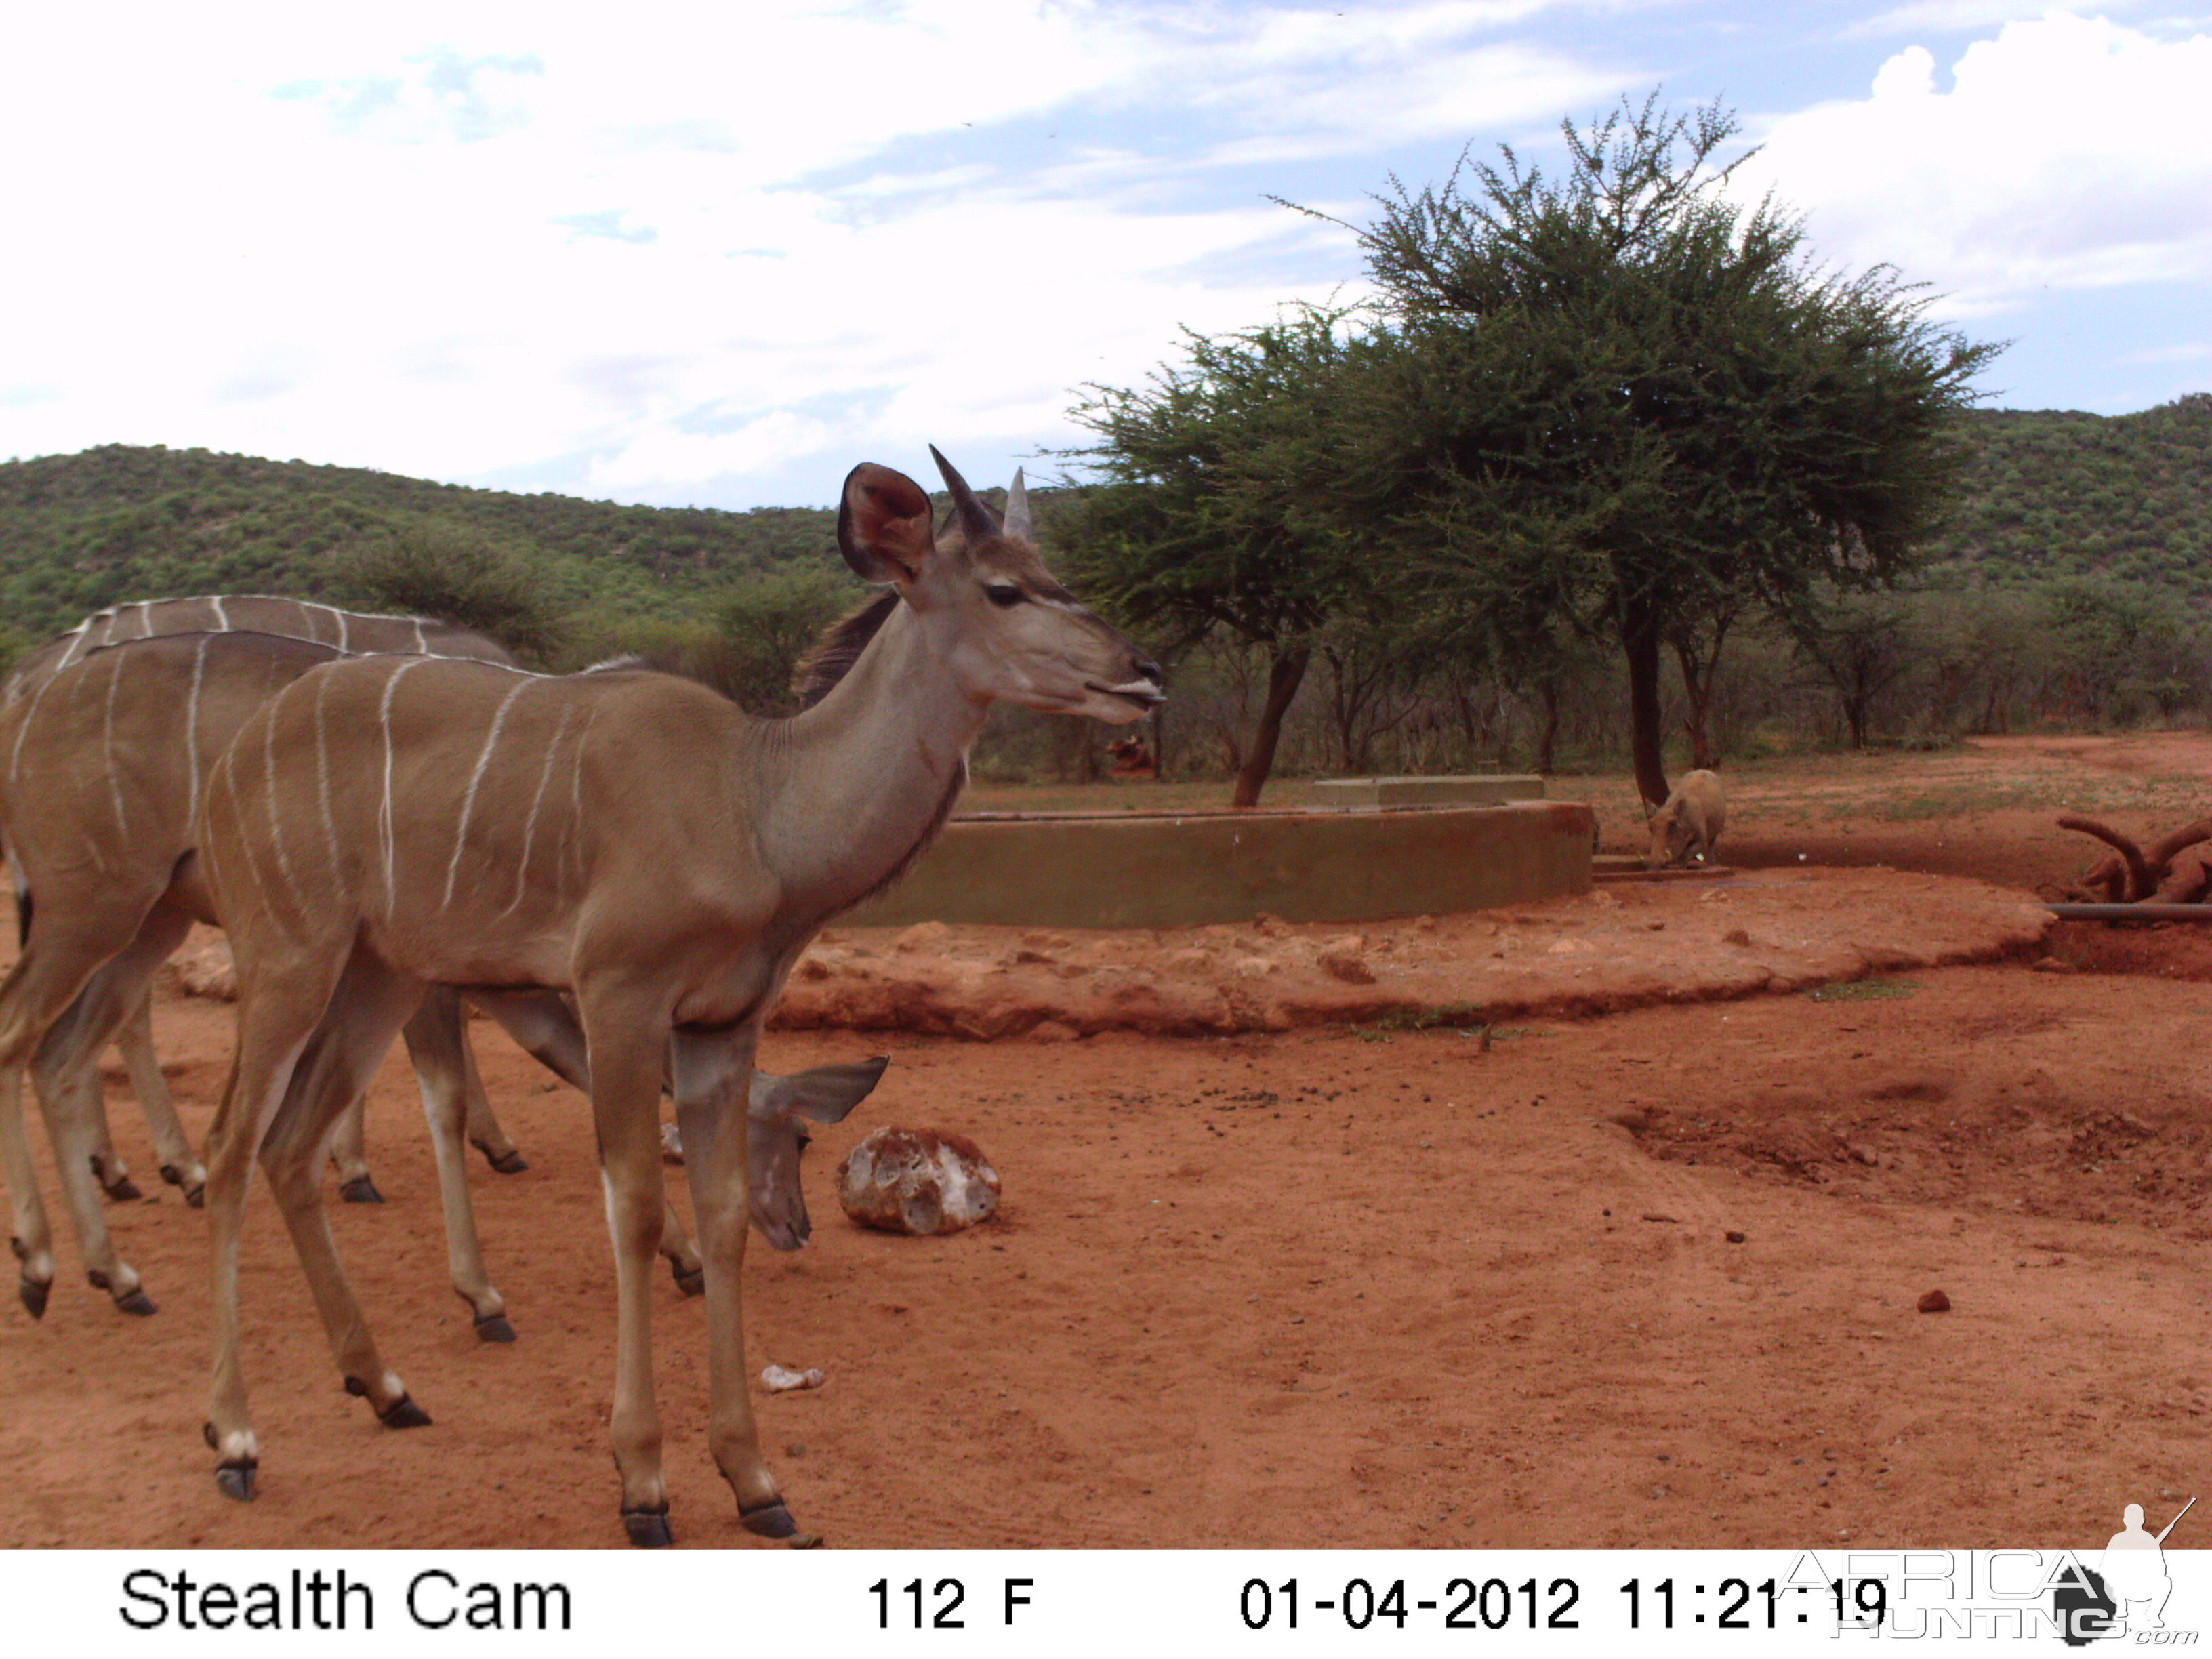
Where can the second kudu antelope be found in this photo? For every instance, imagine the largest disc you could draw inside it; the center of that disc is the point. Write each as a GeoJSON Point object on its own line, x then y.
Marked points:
{"type": "Point", "coordinates": [383, 826]}
{"type": "Point", "coordinates": [104, 821]}
{"type": "Point", "coordinates": [350, 632]}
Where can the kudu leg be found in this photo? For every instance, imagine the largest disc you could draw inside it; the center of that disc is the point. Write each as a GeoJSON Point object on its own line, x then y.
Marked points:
{"type": "Point", "coordinates": [541, 1023]}
{"type": "Point", "coordinates": [627, 1044]}
{"type": "Point", "coordinates": [40, 990]}
{"type": "Point", "coordinates": [437, 1045]}
{"type": "Point", "coordinates": [180, 1166]}
{"type": "Point", "coordinates": [273, 1025]}
{"type": "Point", "coordinates": [371, 1005]}
{"type": "Point", "coordinates": [348, 1145]}
{"type": "Point", "coordinates": [713, 1079]}
{"type": "Point", "coordinates": [29, 1236]}
{"type": "Point", "coordinates": [485, 1132]}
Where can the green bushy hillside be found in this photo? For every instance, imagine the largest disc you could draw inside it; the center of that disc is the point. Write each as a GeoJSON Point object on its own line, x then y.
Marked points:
{"type": "Point", "coordinates": [2051, 493]}
{"type": "Point", "coordinates": [80, 532]}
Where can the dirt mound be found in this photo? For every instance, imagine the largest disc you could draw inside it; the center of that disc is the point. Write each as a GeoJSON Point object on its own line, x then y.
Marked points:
{"type": "Point", "coordinates": [1614, 948]}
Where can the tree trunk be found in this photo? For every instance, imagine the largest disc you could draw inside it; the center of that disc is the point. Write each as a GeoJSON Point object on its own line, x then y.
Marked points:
{"type": "Point", "coordinates": [1698, 679]}
{"type": "Point", "coordinates": [1639, 638]}
{"type": "Point", "coordinates": [1285, 675]}
{"type": "Point", "coordinates": [1548, 742]}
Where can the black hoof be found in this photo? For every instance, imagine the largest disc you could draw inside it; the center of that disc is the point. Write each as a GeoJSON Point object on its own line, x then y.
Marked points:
{"type": "Point", "coordinates": [648, 1528]}
{"type": "Point", "coordinates": [170, 1176]}
{"type": "Point", "coordinates": [137, 1303]}
{"type": "Point", "coordinates": [197, 1197]}
{"type": "Point", "coordinates": [236, 1480]}
{"type": "Point", "coordinates": [691, 1284]}
{"type": "Point", "coordinates": [494, 1328]}
{"type": "Point", "coordinates": [771, 1520]}
{"type": "Point", "coordinates": [34, 1292]}
{"type": "Point", "coordinates": [403, 1414]}
{"type": "Point", "coordinates": [21, 1252]}
{"type": "Point", "coordinates": [124, 1191]}
{"type": "Point", "coordinates": [207, 1433]}
{"type": "Point", "coordinates": [509, 1161]}
{"type": "Point", "coordinates": [361, 1190]}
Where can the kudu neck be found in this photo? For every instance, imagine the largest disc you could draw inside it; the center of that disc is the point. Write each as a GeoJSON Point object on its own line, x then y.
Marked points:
{"type": "Point", "coordinates": [867, 773]}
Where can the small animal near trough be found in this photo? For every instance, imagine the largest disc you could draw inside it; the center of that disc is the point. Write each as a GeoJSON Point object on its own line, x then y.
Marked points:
{"type": "Point", "coordinates": [1193, 869]}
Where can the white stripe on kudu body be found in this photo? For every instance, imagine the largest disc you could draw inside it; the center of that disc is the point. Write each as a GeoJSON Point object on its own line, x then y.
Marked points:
{"type": "Point", "coordinates": [708, 849]}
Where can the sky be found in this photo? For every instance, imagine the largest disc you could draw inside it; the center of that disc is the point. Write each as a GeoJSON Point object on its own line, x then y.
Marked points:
{"type": "Point", "coordinates": [696, 256]}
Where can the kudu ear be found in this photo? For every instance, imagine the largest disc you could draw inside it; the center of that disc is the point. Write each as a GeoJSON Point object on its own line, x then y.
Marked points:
{"type": "Point", "coordinates": [1017, 509]}
{"type": "Point", "coordinates": [882, 524]}
{"type": "Point", "coordinates": [825, 1094]}
{"type": "Point", "coordinates": [976, 520]}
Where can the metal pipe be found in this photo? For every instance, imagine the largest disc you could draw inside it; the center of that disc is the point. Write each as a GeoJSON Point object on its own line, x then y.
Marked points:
{"type": "Point", "coordinates": [2131, 912]}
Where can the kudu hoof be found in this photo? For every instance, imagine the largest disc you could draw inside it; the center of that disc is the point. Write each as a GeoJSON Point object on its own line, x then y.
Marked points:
{"type": "Point", "coordinates": [509, 1161]}
{"type": "Point", "coordinates": [197, 1197]}
{"type": "Point", "coordinates": [235, 1480]}
{"type": "Point", "coordinates": [122, 1189]}
{"type": "Point", "coordinates": [768, 1520]}
{"type": "Point", "coordinates": [359, 1190]}
{"type": "Point", "coordinates": [401, 1414]}
{"type": "Point", "coordinates": [138, 1303]}
{"type": "Point", "coordinates": [648, 1528]}
{"type": "Point", "coordinates": [494, 1328]}
{"type": "Point", "coordinates": [693, 1283]}
{"type": "Point", "coordinates": [34, 1292]}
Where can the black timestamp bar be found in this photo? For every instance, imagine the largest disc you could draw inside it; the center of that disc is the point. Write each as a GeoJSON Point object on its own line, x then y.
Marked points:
{"type": "Point", "coordinates": [1738, 1604]}
{"type": "Point", "coordinates": [1462, 1604]}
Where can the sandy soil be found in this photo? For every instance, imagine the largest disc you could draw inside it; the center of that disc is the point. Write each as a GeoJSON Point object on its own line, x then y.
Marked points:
{"type": "Point", "coordinates": [1338, 1284]}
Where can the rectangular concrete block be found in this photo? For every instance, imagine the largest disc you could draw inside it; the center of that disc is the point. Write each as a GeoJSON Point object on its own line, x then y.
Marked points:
{"type": "Point", "coordinates": [1473, 789]}
{"type": "Point", "coordinates": [1131, 870]}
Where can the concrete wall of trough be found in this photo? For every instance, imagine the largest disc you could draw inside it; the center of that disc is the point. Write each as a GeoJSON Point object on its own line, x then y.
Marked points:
{"type": "Point", "coordinates": [1131, 870]}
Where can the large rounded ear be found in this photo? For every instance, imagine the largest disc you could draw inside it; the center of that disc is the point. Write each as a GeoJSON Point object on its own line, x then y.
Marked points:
{"type": "Point", "coordinates": [882, 524]}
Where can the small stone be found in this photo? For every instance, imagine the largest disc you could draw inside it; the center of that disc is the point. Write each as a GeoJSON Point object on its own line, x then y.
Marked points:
{"type": "Point", "coordinates": [1733, 1238]}
{"type": "Point", "coordinates": [1735, 936]}
{"type": "Point", "coordinates": [778, 1379]}
{"type": "Point", "coordinates": [922, 935]}
{"type": "Point", "coordinates": [1270, 927]}
{"type": "Point", "coordinates": [1053, 1031]}
{"type": "Point", "coordinates": [804, 1540]}
{"type": "Point", "coordinates": [1863, 1153]}
{"type": "Point", "coordinates": [1348, 965]}
{"type": "Point", "coordinates": [1655, 926]}
{"type": "Point", "coordinates": [1935, 1302]}
{"type": "Point", "coordinates": [2053, 965]}
{"type": "Point", "coordinates": [918, 1181]}
{"type": "Point", "coordinates": [1634, 1119]}
{"type": "Point", "coordinates": [1661, 1215]}
{"type": "Point", "coordinates": [796, 1448]}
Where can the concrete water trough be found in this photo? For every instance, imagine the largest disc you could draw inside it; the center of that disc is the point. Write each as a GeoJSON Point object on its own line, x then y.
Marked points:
{"type": "Point", "coordinates": [1190, 869]}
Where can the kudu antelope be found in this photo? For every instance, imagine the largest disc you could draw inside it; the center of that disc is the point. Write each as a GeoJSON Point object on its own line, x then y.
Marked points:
{"type": "Point", "coordinates": [380, 826]}
{"type": "Point", "coordinates": [346, 631]}
{"type": "Point", "coordinates": [104, 819]}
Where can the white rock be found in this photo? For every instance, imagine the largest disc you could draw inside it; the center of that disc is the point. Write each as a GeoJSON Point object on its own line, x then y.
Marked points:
{"type": "Point", "coordinates": [778, 1380]}
{"type": "Point", "coordinates": [918, 1181]}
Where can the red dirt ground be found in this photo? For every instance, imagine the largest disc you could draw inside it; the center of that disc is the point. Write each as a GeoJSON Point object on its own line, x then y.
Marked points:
{"type": "Point", "coordinates": [1334, 1286]}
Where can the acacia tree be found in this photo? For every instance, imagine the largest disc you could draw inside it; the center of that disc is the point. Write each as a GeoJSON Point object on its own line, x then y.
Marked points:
{"type": "Point", "coordinates": [1212, 514]}
{"type": "Point", "coordinates": [1623, 398]}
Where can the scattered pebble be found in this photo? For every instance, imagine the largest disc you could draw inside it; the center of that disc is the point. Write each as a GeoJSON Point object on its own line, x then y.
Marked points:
{"type": "Point", "coordinates": [1935, 1302]}
{"type": "Point", "coordinates": [1734, 1238]}
{"type": "Point", "coordinates": [778, 1379]}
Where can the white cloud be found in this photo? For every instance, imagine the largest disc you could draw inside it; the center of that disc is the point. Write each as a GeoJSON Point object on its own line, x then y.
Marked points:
{"type": "Point", "coordinates": [464, 241]}
{"type": "Point", "coordinates": [2068, 153]}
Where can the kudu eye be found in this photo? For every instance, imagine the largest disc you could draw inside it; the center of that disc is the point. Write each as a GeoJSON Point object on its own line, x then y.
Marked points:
{"type": "Point", "coordinates": [1005, 595]}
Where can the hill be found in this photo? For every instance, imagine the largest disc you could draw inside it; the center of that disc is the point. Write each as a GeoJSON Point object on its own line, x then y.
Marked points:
{"type": "Point", "coordinates": [119, 522]}
{"type": "Point", "coordinates": [2052, 493]}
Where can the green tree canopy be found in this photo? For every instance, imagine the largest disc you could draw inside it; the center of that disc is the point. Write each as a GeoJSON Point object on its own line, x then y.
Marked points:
{"type": "Point", "coordinates": [1621, 398]}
